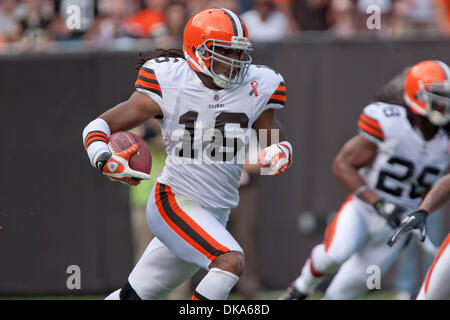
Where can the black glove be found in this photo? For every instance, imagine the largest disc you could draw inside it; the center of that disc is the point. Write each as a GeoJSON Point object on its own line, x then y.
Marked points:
{"type": "Point", "coordinates": [415, 220]}
{"type": "Point", "coordinates": [101, 160]}
{"type": "Point", "coordinates": [390, 211]}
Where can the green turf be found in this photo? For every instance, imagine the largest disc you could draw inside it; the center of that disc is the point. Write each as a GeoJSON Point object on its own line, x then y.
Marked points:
{"type": "Point", "coordinates": [273, 295]}
{"type": "Point", "coordinates": [266, 295]}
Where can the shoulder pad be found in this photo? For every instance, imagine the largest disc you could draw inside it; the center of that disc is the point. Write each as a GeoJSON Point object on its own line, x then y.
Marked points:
{"type": "Point", "coordinates": [159, 73]}
{"type": "Point", "coordinates": [378, 119]}
{"type": "Point", "coordinates": [147, 80]}
{"type": "Point", "coordinates": [271, 85]}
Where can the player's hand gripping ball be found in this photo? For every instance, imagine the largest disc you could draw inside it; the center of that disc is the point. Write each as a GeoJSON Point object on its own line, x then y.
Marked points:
{"type": "Point", "coordinates": [130, 161]}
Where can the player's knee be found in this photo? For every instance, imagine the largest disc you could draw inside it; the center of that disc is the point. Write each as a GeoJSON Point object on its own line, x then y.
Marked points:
{"type": "Point", "coordinates": [128, 293]}
{"type": "Point", "coordinates": [324, 262]}
{"type": "Point", "coordinates": [232, 261]}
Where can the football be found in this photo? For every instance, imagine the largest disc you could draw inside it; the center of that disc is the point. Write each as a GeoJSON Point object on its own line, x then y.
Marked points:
{"type": "Point", "coordinates": [142, 159]}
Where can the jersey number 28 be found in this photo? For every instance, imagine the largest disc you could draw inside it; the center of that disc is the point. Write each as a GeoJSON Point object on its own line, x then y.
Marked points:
{"type": "Point", "coordinates": [416, 189]}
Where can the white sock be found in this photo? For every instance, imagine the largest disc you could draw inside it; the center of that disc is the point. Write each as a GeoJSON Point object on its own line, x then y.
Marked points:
{"type": "Point", "coordinates": [317, 265]}
{"type": "Point", "coordinates": [114, 296]}
{"type": "Point", "coordinates": [216, 285]}
{"type": "Point", "coordinates": [307, 281]}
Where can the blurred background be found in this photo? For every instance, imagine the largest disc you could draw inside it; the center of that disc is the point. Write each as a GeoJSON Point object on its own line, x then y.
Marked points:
{"type": "Point", "coordinates": [62, 63]}
{"type": "Point", "coordinates": [66, 25]}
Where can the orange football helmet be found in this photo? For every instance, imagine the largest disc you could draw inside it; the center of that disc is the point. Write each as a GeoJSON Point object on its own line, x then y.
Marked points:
{"type": "Point", "coordinates": [213, 28]}
{"type": "Point", "coordinates": [426, 84]}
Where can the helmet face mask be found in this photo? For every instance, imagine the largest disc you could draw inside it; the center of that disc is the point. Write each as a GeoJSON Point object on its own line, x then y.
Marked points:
{"type": "Point", "coordinates": [436, 96]}
{"type": "Point", "coordinates": [237, 67]}
{"type": "Point", "coordinates": [206, 34]}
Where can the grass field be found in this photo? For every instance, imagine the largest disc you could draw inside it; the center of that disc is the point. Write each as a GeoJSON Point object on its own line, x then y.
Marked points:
{"type": "Point", "coordinates": [267, 295]}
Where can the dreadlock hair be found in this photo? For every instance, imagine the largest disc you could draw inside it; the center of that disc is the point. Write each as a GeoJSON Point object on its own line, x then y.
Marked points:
{"type": "Point", "coordinates": [392, 92]}
{"type": "Point", "coordinates": [160, 53]}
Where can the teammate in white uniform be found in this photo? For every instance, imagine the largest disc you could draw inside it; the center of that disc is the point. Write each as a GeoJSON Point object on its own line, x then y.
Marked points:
{"type": "Point", "coordinates": [436, 285]}
{"type": "Point", "coordinates": [396, 157]}
{"type": "Point", "coordinates": [208, 99]}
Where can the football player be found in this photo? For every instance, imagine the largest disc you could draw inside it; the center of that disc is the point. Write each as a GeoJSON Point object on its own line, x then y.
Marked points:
{"type": "Point", "coordinates": [400, 151]}
{"type": "Point", "coordinates": [212, 84]}
{"type": "Point", "coordinates": [436, 285]}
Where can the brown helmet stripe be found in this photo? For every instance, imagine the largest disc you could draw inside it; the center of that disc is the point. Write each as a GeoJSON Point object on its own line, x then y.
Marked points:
{"type": "Point", "coordinates": [237, 30]}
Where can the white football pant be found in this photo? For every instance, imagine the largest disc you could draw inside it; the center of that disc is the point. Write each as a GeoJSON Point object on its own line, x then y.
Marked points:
{"type": "Point", "coordinates": [187, 237]}
{"type": "Point", "coordinates": [354, 246]}
{"type": "Point", "coordinates": [436, 285]}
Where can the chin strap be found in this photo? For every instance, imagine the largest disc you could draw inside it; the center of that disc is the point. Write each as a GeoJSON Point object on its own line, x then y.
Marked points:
{"type": "Point", "coordinates": [437, 118]}
{"type": "Point", "coordinates": [219, 80]}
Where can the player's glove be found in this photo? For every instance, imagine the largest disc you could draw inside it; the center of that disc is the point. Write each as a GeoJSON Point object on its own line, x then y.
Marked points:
{"type": "Point", "coordinates": [277, 157]}
{"type": "Point", "coordinates": [115, 166]}
{"type": "Point", "coordinates": [415, 220]}
{"type": "Point", "coordinates": [390, 211]}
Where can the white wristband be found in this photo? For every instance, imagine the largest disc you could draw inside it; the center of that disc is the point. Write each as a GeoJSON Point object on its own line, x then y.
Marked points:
{"type": "Point", "coordinates": [95, 139]}
{"type": "Point", "coordinates": [360, 190]}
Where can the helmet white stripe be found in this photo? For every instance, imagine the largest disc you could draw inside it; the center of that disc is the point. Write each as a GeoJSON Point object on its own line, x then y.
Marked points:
{"type": "Point", "coordinates": [237, 22]}
{"type": "Point", "coordinates": [444, 68]}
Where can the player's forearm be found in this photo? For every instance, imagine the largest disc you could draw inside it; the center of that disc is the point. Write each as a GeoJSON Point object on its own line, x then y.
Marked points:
{"type": "Point", "coordinates": [274, 128]}
{"type": "Point", "coordinates": [122, 117]}
{"type": "Point", "coordinates": [352, 181]}
{"type": "Point", "coordinates": [131, 113]}
{"type": "Point", "coordinates": [269, 129]}
{"type": "Point", "coordinates": [437, 196]}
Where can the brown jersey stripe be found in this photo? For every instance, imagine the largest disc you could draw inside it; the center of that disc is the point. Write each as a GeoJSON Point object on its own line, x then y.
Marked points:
{"type": "Point", "coordinates": [148, 80]}
{"type": "Point", "coordinates": [147, 74]}
{"type": "Point", "coordinates": [147, 84]}
{"type": "Point", "coordinates": [149, 87]}
{"type": "Point", "coordinates": [184, 226]}
{"type": "Point", "coordinates": [148, 70]}
{"type": "Point", "coordinates": [145, 77]}
{"type": "Point", "coordinates": [276, 101]}
{"type": "Point", "coordinates": [375, 126]}
{"type": "Point", "coordinates": [278, 97]}
{"type": "Point", "coordinates": [372, 122]}
{"type": "Point", "coordinates": [369, 130]}
{"type": "Point", "coordinates": [280, 93]}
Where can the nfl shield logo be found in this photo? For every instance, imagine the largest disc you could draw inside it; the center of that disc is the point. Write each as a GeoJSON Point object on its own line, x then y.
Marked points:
{"type": "Point", "coordinates": [112, 166]}
{"type": "Point", "coordinates": [216, 97]}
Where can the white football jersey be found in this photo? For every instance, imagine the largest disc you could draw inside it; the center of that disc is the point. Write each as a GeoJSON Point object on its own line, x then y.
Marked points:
{"type": "Point", "coordinates": [406, 164]}
{"type": "Point", "coordinates": [200, 164]}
